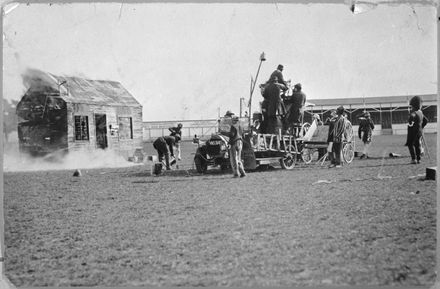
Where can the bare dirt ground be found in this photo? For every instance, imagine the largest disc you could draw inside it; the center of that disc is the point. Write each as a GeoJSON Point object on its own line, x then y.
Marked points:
{"type": "Point", "coordinates": [372, 222]}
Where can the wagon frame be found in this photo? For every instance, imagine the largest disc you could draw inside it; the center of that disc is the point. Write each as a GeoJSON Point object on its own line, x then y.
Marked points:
{"type": "Point", "coordinates": [270, 148]}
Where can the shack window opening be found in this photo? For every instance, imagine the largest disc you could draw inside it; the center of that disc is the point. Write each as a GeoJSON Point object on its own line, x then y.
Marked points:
{"type": "Point", "coordinates": [125, 128]}
{"type": "Point", "coordinates": [81, 127]}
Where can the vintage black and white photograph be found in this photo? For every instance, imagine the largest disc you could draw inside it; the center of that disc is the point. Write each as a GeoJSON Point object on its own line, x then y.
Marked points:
{"type": "Point", "coordinates": [219, 144]}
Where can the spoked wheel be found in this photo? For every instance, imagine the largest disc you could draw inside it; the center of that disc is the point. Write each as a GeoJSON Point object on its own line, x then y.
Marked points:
{"type": "Point", "coordinates": [348, 131]}
{"type": "Point", "coordinates": [307, 155]}
{"type": "Point", "coordinates": [348, 152]}
{"type": "Point", "coordinates": [289, 160]}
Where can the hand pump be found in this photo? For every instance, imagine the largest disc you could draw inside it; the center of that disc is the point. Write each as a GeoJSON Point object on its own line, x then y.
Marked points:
{"type": "Point", "coordinates": [262, 58]}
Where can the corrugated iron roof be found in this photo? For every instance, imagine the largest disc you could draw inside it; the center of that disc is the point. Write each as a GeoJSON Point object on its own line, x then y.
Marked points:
{"type": "Point", "coordinates": [80, 90]}
{"type": "Point", "coordinates": [398, 100]}
{"type": "Point", "coordinates": [101, 92]}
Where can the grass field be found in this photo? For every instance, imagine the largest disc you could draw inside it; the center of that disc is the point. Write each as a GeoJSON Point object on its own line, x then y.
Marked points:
{"type": "Point", "coordinates": [372, 222]}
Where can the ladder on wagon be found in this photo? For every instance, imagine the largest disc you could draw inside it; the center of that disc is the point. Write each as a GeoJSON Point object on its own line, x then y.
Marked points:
{"type": "Point", "coordinates": [274, 142]}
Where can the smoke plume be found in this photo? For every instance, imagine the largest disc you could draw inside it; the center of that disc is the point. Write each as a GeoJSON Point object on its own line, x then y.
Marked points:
{"type": "Point", "coordinates": [39, 80]}
{"type": "Point", "coordinates": [14, 161]}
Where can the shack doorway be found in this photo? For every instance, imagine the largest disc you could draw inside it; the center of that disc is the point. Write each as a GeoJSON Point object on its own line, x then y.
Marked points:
{"type": "Point", "coordinates": [101, 131]}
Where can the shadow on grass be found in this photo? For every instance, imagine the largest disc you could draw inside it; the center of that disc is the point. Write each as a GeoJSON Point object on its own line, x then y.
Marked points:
{"type": "Point", "coordinates": [209, 174]}
{"type": "Point", "coordinates": [215, 173]}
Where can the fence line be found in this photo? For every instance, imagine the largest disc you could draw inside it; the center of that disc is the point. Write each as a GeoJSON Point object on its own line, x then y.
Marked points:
{"type": "Point", "coordinates": [204, 128]}
{"type": "Point", "coordinates": [201, 128]}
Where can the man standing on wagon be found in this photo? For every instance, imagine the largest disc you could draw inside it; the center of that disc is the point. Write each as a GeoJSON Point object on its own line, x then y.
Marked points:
{"type": "Point", "coordinates": [297, 101]}
{"type": "Point", "coordinates": [278, 74]}
{"type": "Point", "coordinates": [272, 107]}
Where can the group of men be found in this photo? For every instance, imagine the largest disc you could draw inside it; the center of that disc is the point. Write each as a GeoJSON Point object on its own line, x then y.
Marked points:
{"type": "Point", "coordinates": [289, 106]}
{"type": "Point", "coordinates": [416, 122]}
{"type": "Point", "coordinates": [282, 107]}
{"type": "Point", "coordinates": [337, 128]}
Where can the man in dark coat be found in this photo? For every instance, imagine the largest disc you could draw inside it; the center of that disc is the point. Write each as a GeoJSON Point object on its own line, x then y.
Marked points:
{"type": "Point", "coordinates": [176, 130]}
{"type": "Point", "coordinates": [330, 121]}
{"type": "Point", "coordinates": [165, 148]}
{"type": "Point", "coordinates": [278, 73]}
{"type": "Point", "coordinates": [297, 102]}
{"type": "Point", "coordinates": [338, 135]}
{"type": "Point", "coordinates": [272, 107]}
{"type": "Point", "coordinates": [416, 122]}
{"type": "Point", "coordinates": [365, 132]}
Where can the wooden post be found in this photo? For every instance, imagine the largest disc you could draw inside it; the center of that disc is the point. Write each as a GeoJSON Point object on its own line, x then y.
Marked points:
{"type": "Point", "coordinates": [262, 58]}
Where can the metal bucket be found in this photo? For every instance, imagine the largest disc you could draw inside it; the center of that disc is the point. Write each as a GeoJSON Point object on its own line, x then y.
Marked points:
{"type": "Point", "coordinates": [157, 168]}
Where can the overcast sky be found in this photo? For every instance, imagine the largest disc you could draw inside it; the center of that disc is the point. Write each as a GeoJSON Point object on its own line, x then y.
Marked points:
{"type": "Point", "coordinates": [184, 61]}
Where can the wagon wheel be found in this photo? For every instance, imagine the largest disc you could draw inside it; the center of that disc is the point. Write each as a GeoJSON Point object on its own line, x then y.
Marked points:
{"type": "Point", "coordinates": [304, 128]}
{"type": "Point", "coordinates": [289, 159]}
{"type": "Point", "coordinates": [307, 155]}
{"type": "Point", "coordinates": [348, 152]}
{"type": "Point", "coordinates": [201, 165]}
{"type": "Point", "coordinates": [348, 131]}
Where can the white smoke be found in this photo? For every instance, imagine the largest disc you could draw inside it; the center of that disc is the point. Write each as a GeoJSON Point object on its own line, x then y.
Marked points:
{"type": "Point", "coordinates": [39, 80]}
{"type": "Point", "coordinates": [14, 161]}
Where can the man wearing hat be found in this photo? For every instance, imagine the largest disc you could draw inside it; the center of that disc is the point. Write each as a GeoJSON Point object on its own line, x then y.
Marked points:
{"type": "Point", "coordinates": [365, 132]}
{"type": "Point", "coordinates": [330, 121]}
{"type": "Point", "coordinates": [177, 130]}
{"type": "Point", "coordinates": [337, 135]}
{"type": "Point", "coordinates": [229, 113]}
{"type": "Point", "coordinates": [235, 145]}
{"type": "Point", "coordinates": [278, 75]}
{"type": "Point", "coordinates": [416, 122]}
{"type": "Point", "coordinates": [272, 107]}
{"type": "Point", "coordinates": [165, 148]}
{"type": "Point", "coordinates": [297, 102]}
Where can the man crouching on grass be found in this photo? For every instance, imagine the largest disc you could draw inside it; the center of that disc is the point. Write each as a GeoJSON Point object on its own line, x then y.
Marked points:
{"type": "Point", "coordinates": [165, 148]}
{"type": "Point", "coordinates": [236, 146]}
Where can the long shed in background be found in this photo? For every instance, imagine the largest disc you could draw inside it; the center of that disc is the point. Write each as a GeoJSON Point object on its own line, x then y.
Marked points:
{"type": "Point", "coordinates": [389, 113]}
{"type": "Point", "coordinates": [61, 114]}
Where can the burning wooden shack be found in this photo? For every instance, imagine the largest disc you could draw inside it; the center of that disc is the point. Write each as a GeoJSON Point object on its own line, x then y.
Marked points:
{"type": "Point", "coordinates": [62, 114]}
